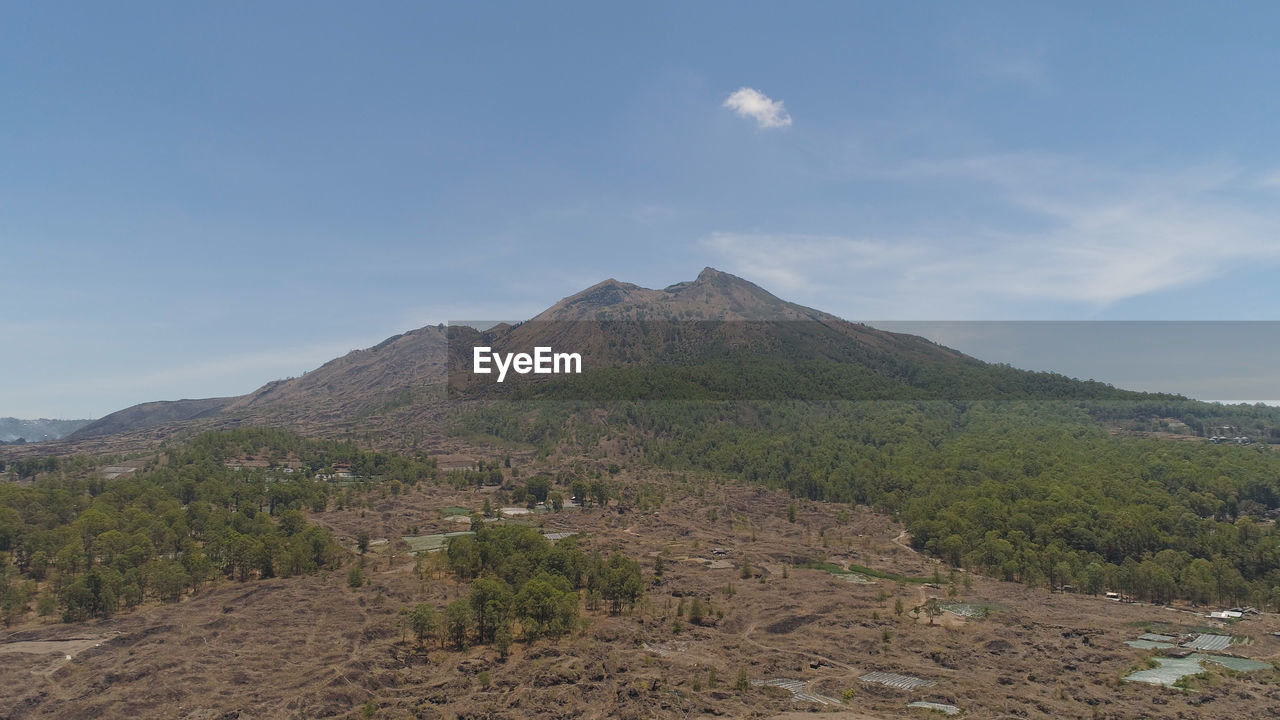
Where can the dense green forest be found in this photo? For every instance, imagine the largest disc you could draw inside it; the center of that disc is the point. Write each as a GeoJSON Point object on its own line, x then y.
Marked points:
{"type": "Point", "coordinates": [82, 546]}
{"type": "Point", "coordinates": [1034, 491]}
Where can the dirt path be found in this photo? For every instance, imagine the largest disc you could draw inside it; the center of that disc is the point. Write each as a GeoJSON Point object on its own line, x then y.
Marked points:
{"type": "Point", "coordinates": [746, 635]}
{"type": "Point", "coordinates": [904, 545]}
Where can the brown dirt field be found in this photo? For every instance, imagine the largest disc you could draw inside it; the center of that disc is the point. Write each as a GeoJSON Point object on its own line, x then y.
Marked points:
{"type": "Point", "coordinates": [311, 647]}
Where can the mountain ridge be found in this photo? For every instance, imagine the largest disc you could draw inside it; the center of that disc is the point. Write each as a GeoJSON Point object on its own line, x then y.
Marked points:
{"type": "Point", "coordinates": [695, 334]}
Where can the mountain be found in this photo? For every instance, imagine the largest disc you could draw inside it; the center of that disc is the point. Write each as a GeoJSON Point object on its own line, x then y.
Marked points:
{"type": "Point", "coordinates": [721, 337]}
{"type": "Point", "coordinates": [332, 398]}
{"type": "Point", "coordinates": [14, 429]}
{"type": "Point", "coordinates": [715, 337]}
{"type": "Point", "coordinates": [151, 414]}
{"type": "Point", "coordinates": [388, 375]}
{"type": "Point", "coordinates": [716, 318]}
{"type": "Point", "coordinates": [714, 295]}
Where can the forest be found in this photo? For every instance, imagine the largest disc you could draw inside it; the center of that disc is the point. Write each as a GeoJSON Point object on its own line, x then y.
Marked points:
{"type": "Point", "coordinates": [1036, 491]}
{"type": "Point", "coordinates": [80, 546]}
{"type": "Point", "coordinates": [520, 579]}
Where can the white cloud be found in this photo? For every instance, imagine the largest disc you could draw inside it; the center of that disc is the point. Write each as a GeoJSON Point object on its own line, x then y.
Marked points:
{"type": "Point", "coordinates": [749, 102]}
{"type": "Point", "coordinates": [1085, 238]}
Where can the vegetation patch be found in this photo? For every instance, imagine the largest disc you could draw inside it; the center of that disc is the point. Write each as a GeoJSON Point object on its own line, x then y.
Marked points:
{"type": "Point", "coordinates": [88, 547]}
{"type": "Point", "coordinates": [886, 575]}
{"type": "Point", "coordinates": [790, 624]}
{"type": "Point", "coordinates": [1027, 485]}
{"type": "Point", "coordinates": [973, 610]}
{"type": "Point", "coordinates": [521, 586]}
{"type": "Point", "coordinates": [431, 543]}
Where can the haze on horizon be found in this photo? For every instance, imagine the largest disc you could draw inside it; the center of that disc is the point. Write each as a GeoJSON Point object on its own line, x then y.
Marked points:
{"type": "Point", "coordinates": [197, 204]}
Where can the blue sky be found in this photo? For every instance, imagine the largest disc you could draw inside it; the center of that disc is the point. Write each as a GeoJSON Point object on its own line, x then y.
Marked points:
{"type": "Point", "coordinates": [195, 200]}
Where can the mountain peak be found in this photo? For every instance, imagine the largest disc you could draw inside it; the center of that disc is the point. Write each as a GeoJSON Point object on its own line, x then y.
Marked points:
{"type": "Point", "coordinates": [714, 295]}
{"type": "Point", "coordinates": [601, 295]}
{"type": "Point", "coordinates": [712, 275]}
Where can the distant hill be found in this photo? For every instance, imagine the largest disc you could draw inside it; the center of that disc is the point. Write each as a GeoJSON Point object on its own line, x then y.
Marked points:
{"type": "Point", "coordinates": [151, 414]}
{"type": "Point", "coordinates": [13, 429]}
{"type": "Point", "coordinates": [364, 388]}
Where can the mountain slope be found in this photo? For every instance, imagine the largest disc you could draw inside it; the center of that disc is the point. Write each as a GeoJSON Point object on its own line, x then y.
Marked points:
{"type": "Point", "coordinates": [715, 337]}
{"type": "Point", "coordinates": [151, 414]}
{"type": "Point", "coordinates": [361, 379]}
{"type": "Point", "coordinates": [721, 337]}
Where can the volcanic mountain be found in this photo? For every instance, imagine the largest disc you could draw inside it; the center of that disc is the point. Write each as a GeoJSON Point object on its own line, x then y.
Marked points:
{"type": "Point", "coordinates": [716, 337]}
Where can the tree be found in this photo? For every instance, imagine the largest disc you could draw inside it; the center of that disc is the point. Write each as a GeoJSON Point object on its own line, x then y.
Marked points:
{"type": "Point", "coordinates": [696, 611]}
{"type": "Point", "coordinates": [169, 579]}
{"type": "Point", "coordinates": [931, 608]}
{"type": "Point", "coordinates": [464, 557]}
{"type": "Point", "coordinates": [292, 522]}
{"type": "Point", "coordinates": [1095, 577]}
{"type": "Point", "coordinates": [600, 493]}
{"type": "Point", "coordinates": [538, 486]}
{"type": "Point", "coordinates": [622, 584]}
{"type": "Point", "coordinates": [91, 524]}
{"type": "Point", "coordinates": [94, 594]}
{"type": "Point", "coordinates": [491, 601]}
{"type": "Point", "coordinates": [458, 619]}
{"type": "Point", "coordinates": [1198, 581]}
{"type": "Point", "coordinates": [547, 606]}
{"type": "Point", "coordinates": [423, 621]}
{"type": "Point", "coordinates": [362, 541]}
{"type": "Point", "coordinates": [502, 640]}
{"type": "Point", "coordinates": [243, 554]}
{"type": "Point", "coordinates": [950, 548]}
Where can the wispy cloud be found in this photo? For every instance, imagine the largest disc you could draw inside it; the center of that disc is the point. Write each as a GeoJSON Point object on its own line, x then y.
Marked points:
{"type": "Point", "coordinates": [790, 263]}
{"type": "Point", "coordinates": [1087, 236]}
{"type": "Point", "coordinates": [751, 103]}
{"type": "Point", "coordinates": [1269, 180]}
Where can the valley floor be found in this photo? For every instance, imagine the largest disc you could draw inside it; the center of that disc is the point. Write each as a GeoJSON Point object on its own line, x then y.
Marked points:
{"type": "Point", "coordinates": [312, 647]}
